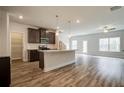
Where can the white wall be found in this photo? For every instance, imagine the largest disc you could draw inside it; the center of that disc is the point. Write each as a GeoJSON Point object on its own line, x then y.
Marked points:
{"type": "Point", "coordinates": [93, 43]}
{"type": "Point", "coordinates": [21, 28]}
{"type": "Point", "coordinates": [65, 39]}
{"type": "Point", "coordinates": [4, 34]}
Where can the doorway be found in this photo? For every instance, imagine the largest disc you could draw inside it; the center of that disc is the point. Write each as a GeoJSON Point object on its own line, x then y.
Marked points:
{"type": "Point", "coordinates": [16, 46]}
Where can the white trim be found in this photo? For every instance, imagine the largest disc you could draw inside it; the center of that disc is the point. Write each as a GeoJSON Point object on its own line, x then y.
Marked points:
{"type": "Point", "coordinates": [16, 58]}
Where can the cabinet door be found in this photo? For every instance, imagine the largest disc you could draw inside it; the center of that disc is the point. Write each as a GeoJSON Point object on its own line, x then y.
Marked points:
{"type": "Point", "coordinates": [5, 75]}
{"type": "Point", "coordinates": [43, 33]}
{"type": "Point", "coordinates": [51, 37]}
{"type": "Point", "coordinates": [33, 55]}
{"type": "Point", "coordinates": [33, 35]}
{"type": "Point", "coordinates": [41, 60]}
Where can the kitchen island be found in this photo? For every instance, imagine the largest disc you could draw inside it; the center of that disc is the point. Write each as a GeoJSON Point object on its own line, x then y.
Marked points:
{"type": "Point", "coordinates": [53, 59]}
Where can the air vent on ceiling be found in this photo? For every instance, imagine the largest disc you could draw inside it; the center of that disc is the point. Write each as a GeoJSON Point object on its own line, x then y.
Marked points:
{"type": "Point", "coordinates": [114, 8]}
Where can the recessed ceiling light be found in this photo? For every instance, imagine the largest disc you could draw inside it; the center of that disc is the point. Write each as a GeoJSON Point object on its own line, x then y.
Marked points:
{"type": "Point", "coordinates": [77, 21]}
{"type": "Point", "coordinates": [57, 27]}
{"type": "Point", "coordinates": [20, 17]}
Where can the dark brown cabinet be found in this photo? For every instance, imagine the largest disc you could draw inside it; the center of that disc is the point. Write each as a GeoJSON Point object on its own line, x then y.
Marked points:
{"type": "Point", "coordinates": [33, 35]}
{"type": "Point", "coordinates": [33, 55]}
{"type": "Point", "coordinates": [36, 36]}
{"type": "Point", "coordinates": [5, 76]}
{"type": "Point", "coordinates": [51, 37]}
{"type": "Point", "coordinates": [41, 60]}
{"type": "Point", "coordinates": [42, 33]}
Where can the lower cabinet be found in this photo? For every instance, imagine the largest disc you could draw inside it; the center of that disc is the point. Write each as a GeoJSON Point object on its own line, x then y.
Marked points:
{"type": "Point", "coordinates": [5, 75]}
{"type": "Point", "coordinates": [41, 60]}
{"type": "Point", "coordinates": [33, 55]}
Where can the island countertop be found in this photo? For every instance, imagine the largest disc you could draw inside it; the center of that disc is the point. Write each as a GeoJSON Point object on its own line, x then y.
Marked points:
{"type": "Point", "coordinates": [55, 50]}
{"type": "Point", "coordinates": [53, 59]}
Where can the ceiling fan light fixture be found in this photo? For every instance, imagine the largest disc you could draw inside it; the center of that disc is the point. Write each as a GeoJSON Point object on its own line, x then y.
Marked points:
{"type": "Point", "coordinates": [105, 30]}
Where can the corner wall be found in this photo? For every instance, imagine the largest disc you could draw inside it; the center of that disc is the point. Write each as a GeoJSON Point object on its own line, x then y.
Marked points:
{"type": "Point", "coordinates": [4, 34]}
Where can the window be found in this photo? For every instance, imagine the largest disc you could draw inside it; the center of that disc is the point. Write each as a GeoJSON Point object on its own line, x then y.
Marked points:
{"type": "Point", "coordinates": [85, 46]}
{"type": "Point", "coordinates": [115, 44]}
{"type": "Point", "coordinates": [109, 44]}
{"type": "Point", "coordinates": [103, 45]}
{"type": "Point", "coordinates": [74, 44]}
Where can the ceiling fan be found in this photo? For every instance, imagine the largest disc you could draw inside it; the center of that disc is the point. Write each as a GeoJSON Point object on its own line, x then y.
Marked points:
{"type": "Point", "coordinates": [107, 28]}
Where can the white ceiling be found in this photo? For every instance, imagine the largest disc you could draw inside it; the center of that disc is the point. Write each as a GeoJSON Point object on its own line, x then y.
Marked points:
{"type": "Point", "coordinates": [91, 17]}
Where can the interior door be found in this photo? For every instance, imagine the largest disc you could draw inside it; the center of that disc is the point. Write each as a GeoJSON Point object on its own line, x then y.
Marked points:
{"type": "Point", "coordinates": [16, 45]}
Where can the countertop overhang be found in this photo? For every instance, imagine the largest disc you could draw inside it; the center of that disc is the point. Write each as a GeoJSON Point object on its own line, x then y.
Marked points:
{"type": "Point", "coordinates": [55, 50]}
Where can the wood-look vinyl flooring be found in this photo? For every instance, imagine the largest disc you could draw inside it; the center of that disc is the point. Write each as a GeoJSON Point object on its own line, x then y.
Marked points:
{"type": "Point", "coordinates": [88, 71]}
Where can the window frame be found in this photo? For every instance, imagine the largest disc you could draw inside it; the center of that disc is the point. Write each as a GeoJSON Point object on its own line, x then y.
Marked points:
{"type": "Point", "coordinates": [86, 46]}
{"type": "Point", "coordinates": [109, 44]}
{"type": "Point", "coordinates": [74, 45]}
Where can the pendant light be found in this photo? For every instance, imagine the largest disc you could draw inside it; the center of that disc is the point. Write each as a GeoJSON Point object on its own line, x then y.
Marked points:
{"type": "Point", "coordinates": [69, 25]}
{"type": "Point", "coordinates": [57, 22]}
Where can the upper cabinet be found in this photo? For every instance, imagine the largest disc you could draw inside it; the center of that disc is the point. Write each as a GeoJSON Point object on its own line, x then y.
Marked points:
{"type": "Point", "coordinates": [42, 33]}
{"type": "Point", "coordinates": [51, 37]}
{"type": "Point", "coordinates": [39, 35]}
{"type": "Point", "coordinates": [33, 35]}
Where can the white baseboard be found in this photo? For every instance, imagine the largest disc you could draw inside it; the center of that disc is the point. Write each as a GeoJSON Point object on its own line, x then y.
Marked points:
{"type": "Point", "coordinates": [16, 58]}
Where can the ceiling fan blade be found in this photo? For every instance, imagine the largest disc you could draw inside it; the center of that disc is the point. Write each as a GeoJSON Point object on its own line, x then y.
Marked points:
{"type": "Point", "coordinates": [112, 29]}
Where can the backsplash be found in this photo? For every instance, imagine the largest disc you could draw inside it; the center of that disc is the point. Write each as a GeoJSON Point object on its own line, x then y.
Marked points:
{"type": "Point", "coordinates": [35, 46]}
